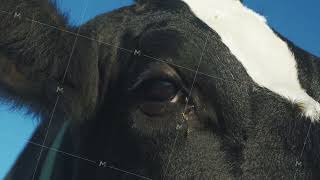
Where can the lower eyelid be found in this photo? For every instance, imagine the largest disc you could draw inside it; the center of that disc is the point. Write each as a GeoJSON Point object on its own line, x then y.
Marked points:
{"type": "Point", "coordinates": [153, 109]}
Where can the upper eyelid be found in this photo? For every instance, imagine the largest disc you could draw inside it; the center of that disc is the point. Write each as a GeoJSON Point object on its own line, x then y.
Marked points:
{"type": "Point", "coordinates": [159, 78]}
{"type": "Point", "coordinates": [158, 74]}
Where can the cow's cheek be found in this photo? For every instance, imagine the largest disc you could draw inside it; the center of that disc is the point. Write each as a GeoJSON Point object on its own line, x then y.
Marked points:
{"type": "Point", "coordinates": [200, 156]}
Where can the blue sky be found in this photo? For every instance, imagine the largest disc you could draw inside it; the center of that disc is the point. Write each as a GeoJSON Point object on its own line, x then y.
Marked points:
{"type": "Point", "coordinates": [296, 19]}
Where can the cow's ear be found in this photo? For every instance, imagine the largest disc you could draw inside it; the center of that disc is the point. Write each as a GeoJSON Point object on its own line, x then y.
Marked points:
{"type": "Point", "coordinates": [34, 57]}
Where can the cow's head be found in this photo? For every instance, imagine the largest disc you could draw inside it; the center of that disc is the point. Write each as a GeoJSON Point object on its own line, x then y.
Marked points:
{"type": "Point", "coordinates": [176, 103]}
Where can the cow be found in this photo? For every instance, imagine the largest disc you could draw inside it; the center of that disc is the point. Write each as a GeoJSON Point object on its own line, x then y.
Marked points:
{"type": "Point", "coordinates": [161, 89]}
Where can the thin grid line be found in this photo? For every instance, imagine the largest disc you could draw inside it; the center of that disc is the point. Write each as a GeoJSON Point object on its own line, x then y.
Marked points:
{"type": "Point", "coordinates": [58, 96]}
{"type": "Point", "coordinates": [305, 141]}
{"type": "Point", "coordinates": [86, 159]}
{"type": "Point", "coordinates": [131, 51]}
{"type": "Point", "coordinates": [77, 34]}
{"type": "Point", "coordinates": [44, 141]}
{"type": "Point", "coordinates": [303, 149]}
{"type": "Point", "coordinates": [65, 153]}
{"type": "Point", "coordinates": [185, 108]}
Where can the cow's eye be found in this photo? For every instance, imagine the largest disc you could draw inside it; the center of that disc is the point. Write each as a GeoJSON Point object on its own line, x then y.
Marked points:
{"type": "Point", "coordinates": [158, 90]}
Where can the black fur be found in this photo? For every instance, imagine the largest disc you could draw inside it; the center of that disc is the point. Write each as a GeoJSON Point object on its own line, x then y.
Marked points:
{"type": "Point", "coordinates": [229, 128]}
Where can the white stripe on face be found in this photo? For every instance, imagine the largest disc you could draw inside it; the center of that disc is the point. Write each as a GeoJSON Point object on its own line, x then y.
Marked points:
{"type": "Point", "coordinates": [266, 58]}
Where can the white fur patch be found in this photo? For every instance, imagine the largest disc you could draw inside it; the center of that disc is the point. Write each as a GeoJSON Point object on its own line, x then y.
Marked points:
{"type": "Point", "coordinates": [267, 58]}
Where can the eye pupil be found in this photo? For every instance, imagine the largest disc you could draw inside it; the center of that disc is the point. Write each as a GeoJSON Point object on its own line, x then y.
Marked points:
{"type": "Point", "coordinates": [160, 91]}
